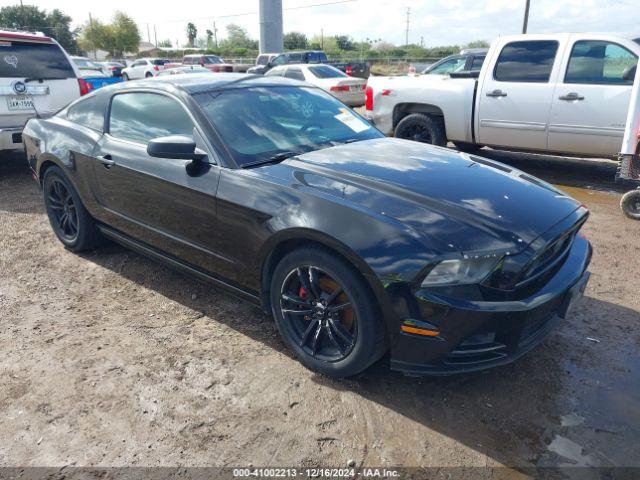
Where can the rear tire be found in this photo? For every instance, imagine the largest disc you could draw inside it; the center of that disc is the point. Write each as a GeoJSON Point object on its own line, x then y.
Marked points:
{"type": "Point", "coordinates": [339, 335]}
{"type": "Point", "coordinates": [70, 221]}
{"type": "Point", "coordinates": [423, 128]}
{"type": "Point", "coordinates": [630, 204]}
{"type": "Point", "coordinates": [148, 75]}
{"type": "Point", "coordinates": [125, 77]}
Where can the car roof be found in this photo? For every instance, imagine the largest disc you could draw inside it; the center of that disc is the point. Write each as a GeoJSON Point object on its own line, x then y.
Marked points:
{"type": "Point", "coordinates": [36, 37]}
{"type": "Point", "coordinates": [205, 82]}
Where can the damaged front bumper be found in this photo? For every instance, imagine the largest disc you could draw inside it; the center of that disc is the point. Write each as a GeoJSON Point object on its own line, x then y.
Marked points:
{"type": "Point", "coordinates": [476, 335]}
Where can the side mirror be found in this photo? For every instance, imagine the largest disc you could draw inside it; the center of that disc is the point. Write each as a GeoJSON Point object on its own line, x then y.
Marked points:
{"type": "Point", "coordinates": [180, 147]}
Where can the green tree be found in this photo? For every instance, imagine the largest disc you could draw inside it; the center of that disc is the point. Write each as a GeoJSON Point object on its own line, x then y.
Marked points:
{"type": "Point", "coordinates": [477, 44]}
{"type": "Point", "coordinates": [119, 36]}
{"type": "Point", "coordinates": [165, 43]}
{"type": "Point", "coordinates": [209, 38]}
{"type": "Point", "coordinates": [238, 38]}
{"type": "Point", "coordinates": [295, 41]}
{"type": "Point", "coordinates": [345, 42]}
{"type": "Point", "coordinates": [192, 33]}
{"type": "Point", "coordinates": [55, 23]}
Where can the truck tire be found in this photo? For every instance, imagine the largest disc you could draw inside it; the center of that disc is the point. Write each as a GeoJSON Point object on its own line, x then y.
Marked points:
{"type": "Point", "coordinates": [630, 204]}
{"type": "Point", "coordinates": [423, 128]}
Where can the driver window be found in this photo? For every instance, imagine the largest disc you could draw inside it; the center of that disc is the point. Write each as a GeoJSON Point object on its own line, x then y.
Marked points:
{"type": "Point", "coordinates": [139, 117]}
{"type": "Point", "coordinates": [602, 63]}
{"type": "Point", "coordinates": [279, 60]}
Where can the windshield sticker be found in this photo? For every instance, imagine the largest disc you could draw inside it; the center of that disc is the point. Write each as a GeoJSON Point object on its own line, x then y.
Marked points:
{"type": "Point", "coordinates": [351, 121]}
{"type": "Point", "coordinates": [11, 60]}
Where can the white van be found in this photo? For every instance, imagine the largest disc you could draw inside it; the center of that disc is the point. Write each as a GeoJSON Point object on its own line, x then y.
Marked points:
{"type": "Point", "coordinates": [37, 77]}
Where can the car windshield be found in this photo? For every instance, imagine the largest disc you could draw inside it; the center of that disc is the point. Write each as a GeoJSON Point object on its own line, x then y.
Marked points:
{"type": "Point", "coordinates": [210, 59]}
{"type": "Point", "coordinates": [325, 71]}
{"type": "Point", "coordinates": [259, 123]}
{"type": "Point", "coordinates": [84, 63]}
{"type": "Point", "coordinates": [33, 60]}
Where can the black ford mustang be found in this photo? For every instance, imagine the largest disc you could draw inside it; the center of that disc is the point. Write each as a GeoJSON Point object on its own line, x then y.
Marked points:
{"type": "Point", "coordinates": [356, 243]}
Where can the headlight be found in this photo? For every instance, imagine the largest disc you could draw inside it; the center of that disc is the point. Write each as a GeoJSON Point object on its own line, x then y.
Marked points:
{"type": "Point", "coordinates": [464, 271]}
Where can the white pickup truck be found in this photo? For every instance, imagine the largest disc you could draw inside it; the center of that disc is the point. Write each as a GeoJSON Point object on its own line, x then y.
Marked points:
{"type": "Point", "coordinates": [555, 93]}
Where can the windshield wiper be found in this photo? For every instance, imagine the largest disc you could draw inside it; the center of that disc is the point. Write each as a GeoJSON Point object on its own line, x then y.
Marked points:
{"type": "Point", "coordinates": [27, 80]}
{"type": "Point", "coordinates": [278, 157]}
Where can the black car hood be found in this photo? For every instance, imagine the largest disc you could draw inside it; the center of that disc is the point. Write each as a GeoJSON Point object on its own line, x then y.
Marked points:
{"type": "Point", "coordinates": [461, 202]}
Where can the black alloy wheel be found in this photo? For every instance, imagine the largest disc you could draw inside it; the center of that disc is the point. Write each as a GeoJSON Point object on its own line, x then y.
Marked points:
{"type": "Point", "coordinates": [63, 210]}
{"type": "Point", "coordinates": [70, 220]}
{"type": "Point", "coordinates": [326, 312]}
{"type": "Point", "coordinates": [321, 314]}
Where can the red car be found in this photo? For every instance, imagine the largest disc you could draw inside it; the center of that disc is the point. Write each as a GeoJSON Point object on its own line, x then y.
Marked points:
{"type": "Point", "coordinates": [211, 62]}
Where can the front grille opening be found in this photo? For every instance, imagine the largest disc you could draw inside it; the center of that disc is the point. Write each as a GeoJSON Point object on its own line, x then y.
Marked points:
{"type": "Point", "coordinates": [477, 349]}
{"type": "Point", "coordinates": [547, 260]}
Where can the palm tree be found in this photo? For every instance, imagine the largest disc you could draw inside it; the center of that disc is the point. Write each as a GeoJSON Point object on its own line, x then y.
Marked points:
{"type": "Point", "coordinates": [192, 33]}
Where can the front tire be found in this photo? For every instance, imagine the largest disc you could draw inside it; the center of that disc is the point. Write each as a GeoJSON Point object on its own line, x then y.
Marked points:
{"type": "Point", "coordinates": [422, 128]}
{"type": "Point", "coordinates": [70, 221]}
{"type": "Point", "coordinates": [630, 204]}
{"type": "Point", "coordinates": [326, 313]}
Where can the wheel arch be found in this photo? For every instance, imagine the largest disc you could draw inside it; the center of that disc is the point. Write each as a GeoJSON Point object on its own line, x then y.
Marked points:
{"type": "Point", "coordinates": [404, 109]}
{"type": "Point", "coordinates": [289, 240]}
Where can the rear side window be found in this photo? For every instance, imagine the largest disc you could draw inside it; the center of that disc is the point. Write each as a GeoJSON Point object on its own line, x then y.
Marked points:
{"type": "Point", "coordinates": [528, 61]}
{"type": "Point", "coordinates": [33, 60]}
{"type": "Point", "coordinates": [140, 117]}
{"type": "Point", "coordinates": [326, 71]}
{"type": "Point", "coordinates": [600, 62]}
{"type": "Point", "coordinates": [294, 73]}
{"type": "Point", "coordinates": [159, 61]}
{"type": "Point", "coordinates": [476, 63]}
{"type": "Point", "coordinates": [88, 112]}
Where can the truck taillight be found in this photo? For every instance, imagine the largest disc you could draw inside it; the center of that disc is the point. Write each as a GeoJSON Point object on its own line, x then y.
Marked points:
{"type": "Point", "coordinates": [156, 68]}
{"type": "Point", "coordinates": [84, 86]}
{"type": "Point", "coordinates": [368, 98]}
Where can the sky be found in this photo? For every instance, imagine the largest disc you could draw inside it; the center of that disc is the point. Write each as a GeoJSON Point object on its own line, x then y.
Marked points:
{"type": "Point", "coordinates": [432, 22]}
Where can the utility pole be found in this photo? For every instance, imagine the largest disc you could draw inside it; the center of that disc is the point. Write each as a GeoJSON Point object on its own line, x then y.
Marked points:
{"type": "Point", "coordinates": [271, 26]}
{"type": "Point", "coordinates": [93, 37]}
{"type": "Point", "coordinates": [24, 17]}
{"type": "Point", "coordinates": [406, 37]}
{"type": "Point", "coordinates": [148, 34]}
{"type": "Point", "coordinates": [155, 34]}
{"type": "Point", "coordinates": [322, 39]}
{"type": "Point", "coordinates": [526, 16]}
{"type": "Point", "coordinates": [215, 34]}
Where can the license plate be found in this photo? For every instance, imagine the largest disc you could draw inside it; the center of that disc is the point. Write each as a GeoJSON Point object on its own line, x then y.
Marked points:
{"type": "Point", "coordinates": [19, 103]}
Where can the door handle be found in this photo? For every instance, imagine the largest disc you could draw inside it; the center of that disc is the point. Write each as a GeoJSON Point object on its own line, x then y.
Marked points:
{"type": "Point", "coordinates": [497, 93]}
{"type": "Point", "coordinates": [571, 96]}
{"type": "Point", "coordinates": [107, 161]}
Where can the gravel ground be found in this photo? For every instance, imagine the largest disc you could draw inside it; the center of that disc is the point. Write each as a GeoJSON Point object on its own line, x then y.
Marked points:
{"type": "Point", "coordinates": [110, 359]}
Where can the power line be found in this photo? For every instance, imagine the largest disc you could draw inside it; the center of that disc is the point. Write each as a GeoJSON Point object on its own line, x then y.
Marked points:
{"type": "Point", "coordinates": [244, 14]}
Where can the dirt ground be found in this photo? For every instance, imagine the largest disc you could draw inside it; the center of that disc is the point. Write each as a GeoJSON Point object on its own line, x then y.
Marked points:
{"type": "Point", "coordinates": [110, 359]}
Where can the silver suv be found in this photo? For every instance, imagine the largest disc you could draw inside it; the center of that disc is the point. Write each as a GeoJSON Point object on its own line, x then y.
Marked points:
{"type": "Point", "coordinates": [37, 78]}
